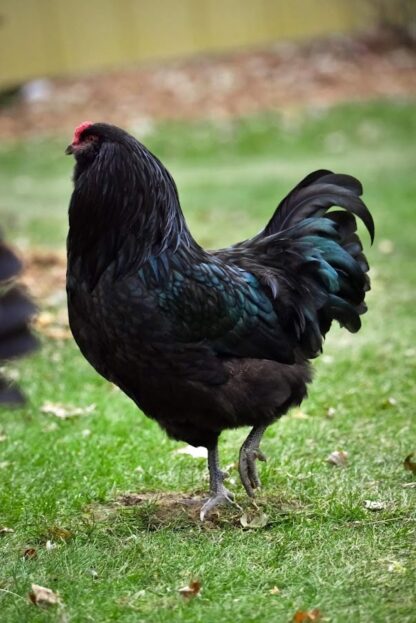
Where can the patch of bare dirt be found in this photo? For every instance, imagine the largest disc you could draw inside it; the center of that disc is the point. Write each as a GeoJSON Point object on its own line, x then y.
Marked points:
{"type": "Point", "coordinates": [160, 499]}
{"type": "Point", "coordinates": [167, 508]}
{"type": "Point", "coordinates": [157, 510]}
{"type": "Point", "coordinates": [317, 73]}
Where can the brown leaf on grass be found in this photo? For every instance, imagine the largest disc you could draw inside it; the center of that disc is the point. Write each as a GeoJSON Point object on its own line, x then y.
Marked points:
{"type": "Point", "coordinates": [63, 534]}
{"type": "Point", "coordinates": [4, 530]}
{"type": "Point", "coordinates": [374, 505]}
{"type": "Point", "coordinates": [275, 590]}
{"type": "Point", "coordinates": [64, 411]}
{"type": "Point", "coordinates": [44, 319]}
{"type": "Point", "coordinates": [192, 590]}
{"type": "Point", "coordinates": [57, 333]}
{"type": "Point", "coordinates": [338, 458]}
{"type": "Point", "coordinates": [409, 464]}
{"type": "Point", "coordinates": [306, 616]}
{"type": "Point", "coordinates": [259, 520]}
{"type": "Point", "coordinates": [41, 596]}
{"type": "Point", "coordinates": [30, 553]}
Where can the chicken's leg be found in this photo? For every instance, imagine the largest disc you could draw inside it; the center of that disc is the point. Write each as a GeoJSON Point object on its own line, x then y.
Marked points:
{"type": "Point", "coordinates": [219, 493]}
{"type": "Point", "coordinates": [249, 452]}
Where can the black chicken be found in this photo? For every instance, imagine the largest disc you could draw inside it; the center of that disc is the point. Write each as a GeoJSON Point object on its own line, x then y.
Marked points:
{"type": "Point", "coordinates": [16, 311]}
{"type": "Point", "coordinates": [204, 340]}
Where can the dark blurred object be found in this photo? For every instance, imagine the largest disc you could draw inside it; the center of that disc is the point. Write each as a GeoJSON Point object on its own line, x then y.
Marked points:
{"type": "Point", "coordinates": [10, 96]}
{"type": "Point", "coordinates": [397, 17]}
{"type": "Point", "coordinates": [16, 311]}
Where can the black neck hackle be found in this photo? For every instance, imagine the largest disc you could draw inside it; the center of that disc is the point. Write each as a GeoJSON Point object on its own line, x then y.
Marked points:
{"type": "Point", "coordinates": [123, 197]}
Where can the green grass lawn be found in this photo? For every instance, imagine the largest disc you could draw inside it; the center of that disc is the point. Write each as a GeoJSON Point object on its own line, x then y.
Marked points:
{"type": "Point", "coordinates": [321, 547]}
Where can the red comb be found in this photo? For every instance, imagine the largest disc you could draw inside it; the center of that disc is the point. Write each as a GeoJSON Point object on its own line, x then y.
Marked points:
{"type": "Point", "coordinates": [79, 130]}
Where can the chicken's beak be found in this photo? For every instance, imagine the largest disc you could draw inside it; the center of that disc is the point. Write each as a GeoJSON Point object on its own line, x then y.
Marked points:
{"type": "Point", "coordinates": [69, 150]}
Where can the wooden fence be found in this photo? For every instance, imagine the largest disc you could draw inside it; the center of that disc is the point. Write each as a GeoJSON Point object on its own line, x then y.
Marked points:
{"type": "Point", "coordinates": [55, 37]}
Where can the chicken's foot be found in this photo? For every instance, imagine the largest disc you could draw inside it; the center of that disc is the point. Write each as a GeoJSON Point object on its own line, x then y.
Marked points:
{"type": "Point", "coordinates": [249, 452]}
{"type": "Point", "coordinates": [219, 493]}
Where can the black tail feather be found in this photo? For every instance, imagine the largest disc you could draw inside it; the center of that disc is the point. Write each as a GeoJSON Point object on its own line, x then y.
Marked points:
{"type": "Point", "coordinates": [310, 260]}
{"type": "Point", "coordinates": [316, 194]}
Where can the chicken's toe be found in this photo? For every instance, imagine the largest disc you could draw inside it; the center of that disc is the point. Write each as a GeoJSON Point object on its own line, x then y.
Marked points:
{"type": "Point", "coordinates": [222, 496]}
{"type": "Point", "coordinates": [248, 470]}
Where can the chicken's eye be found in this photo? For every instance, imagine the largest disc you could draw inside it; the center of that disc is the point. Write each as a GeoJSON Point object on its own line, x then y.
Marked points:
{"type": "Point", "coordinates": [91, 138]}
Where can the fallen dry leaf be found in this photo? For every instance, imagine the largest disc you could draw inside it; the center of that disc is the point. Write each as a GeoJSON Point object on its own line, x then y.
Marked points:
{"type": "Point", "coordinates": [41, 596]}
{"type": "Point", "coordinates": [373, 505]}
{"type": "Point", "coordinates": [197, 453]}
{"type": "Point", "coordinates": [29, 553]}
{"type": "Point", "coordinates": [386, 247]}
{"type": "Point", "coordinates": [305, 616]}
{"type": "Point", "coordinates": [338, 458]}
{"type": "Point", "coordinates": [395, 566]}
{"type": "Point", "coordinates": [409, 464]}
{"type": "Point", "coordinates": [297, 414]}
{"type": "Point", "coordinates": [259, 520]}
{"type": "Point", "coordinates": [63, 412]}
{"type": "Point", "coordinates": [4, 530]}
{"type": "Point", "coordinates": [49, 545]}
{"type": "Point", "coordinates": [192, 590]}
{"type": "Point", "coordinates": [274, 591]}
{"type": "Point", "coordinates": [44, 319]}
{"type": "Point", "coordinates": [61, 533]}
{"type": "Point", "coordinates": [331, 411]}
{"type": "Point", "coordinates": [57, 333]}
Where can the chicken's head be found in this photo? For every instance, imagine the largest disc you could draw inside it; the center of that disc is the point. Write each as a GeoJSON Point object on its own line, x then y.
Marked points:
{"type": "Point", "coordinates": [85, 140]}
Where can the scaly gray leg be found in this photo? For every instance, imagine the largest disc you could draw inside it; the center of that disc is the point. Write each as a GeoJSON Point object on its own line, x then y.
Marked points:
{"type": "Point", "coordinates": [249, 452]}
{"type": "Point", "coordinates": [219, 494]}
